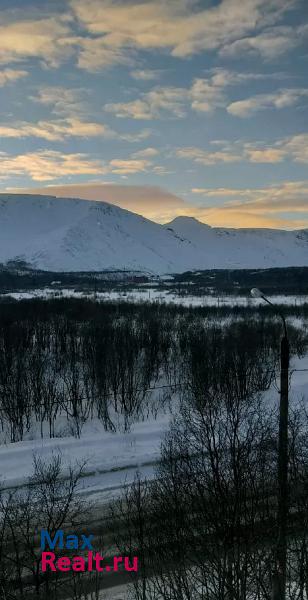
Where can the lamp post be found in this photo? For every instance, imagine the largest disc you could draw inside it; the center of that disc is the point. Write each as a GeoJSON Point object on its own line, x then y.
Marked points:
{"type": "Point", "coordinates": [279, 575]}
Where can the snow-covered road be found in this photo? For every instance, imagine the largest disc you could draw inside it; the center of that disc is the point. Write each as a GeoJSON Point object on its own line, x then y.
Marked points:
{"type": "Point", "coordinates": [112, 459]}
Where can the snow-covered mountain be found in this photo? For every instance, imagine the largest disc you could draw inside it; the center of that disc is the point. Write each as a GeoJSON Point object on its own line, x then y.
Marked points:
{"type": "Point", "coordinates": [244, 248]}
{"type": "Point", "coordinates": [64, 234]}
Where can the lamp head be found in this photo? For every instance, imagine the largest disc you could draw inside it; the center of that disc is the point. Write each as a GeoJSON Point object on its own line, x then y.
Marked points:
{"type": "Point", "coordinates": [256, 293]}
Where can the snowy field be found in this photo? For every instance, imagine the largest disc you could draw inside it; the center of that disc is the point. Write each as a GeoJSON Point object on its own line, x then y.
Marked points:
{"type": "Point", "coordinates": [151, 295]}
{"type": "Point", "coordinates": [112, 459]}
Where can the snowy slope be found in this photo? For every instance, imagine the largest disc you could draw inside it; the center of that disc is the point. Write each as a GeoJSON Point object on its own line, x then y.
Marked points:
{"type": "Point", "coordinates": [62, 234]}
{"type": "Point", "coordinates": [79, 235]}
{"type": "Point", "coordinates": [243, 248]}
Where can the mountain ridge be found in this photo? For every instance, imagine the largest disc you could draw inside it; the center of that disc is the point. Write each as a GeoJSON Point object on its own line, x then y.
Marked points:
{"type": "Point", "coordinates": [71, 234]}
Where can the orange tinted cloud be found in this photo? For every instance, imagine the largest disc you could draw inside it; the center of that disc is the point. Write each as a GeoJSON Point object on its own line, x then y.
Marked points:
{"type": "Point", "coordinates": [264, 207]}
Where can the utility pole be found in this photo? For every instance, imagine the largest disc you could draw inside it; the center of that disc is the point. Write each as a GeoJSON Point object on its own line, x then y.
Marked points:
{"type": "Point", "coordinates": [279, 583]}
{"type": "Point", "coordinates": [280, 566]}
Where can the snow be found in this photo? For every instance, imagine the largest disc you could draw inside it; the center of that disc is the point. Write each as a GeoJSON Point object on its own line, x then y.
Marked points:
{"type": "Point", "coordinates": [152, 295]}
{"type": "Point", "coordinates": [81, 235]}
{"type": "Point", "coordinates": [243, 248]}
{"type": "Point", "coordinates": [112, 459]}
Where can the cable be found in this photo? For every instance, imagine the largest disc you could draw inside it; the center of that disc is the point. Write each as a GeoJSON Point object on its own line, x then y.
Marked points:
{"type": "Point", "coordinates": [166, 386]}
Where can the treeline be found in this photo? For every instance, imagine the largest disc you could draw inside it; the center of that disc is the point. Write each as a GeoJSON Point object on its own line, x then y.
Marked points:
{"type": "Point", "coordinates": [286, 280]}
{"type": "Point", "coordinates": [79, 360]}
{"type": "Point", "coordinates": [18, 276]}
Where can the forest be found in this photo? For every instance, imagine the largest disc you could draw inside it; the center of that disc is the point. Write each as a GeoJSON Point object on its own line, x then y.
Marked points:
{"type": "Point", "coordinates": [203, 526]}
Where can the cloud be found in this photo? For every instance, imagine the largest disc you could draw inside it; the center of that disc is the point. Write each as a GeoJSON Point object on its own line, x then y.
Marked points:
{"type": "Point", "coordinates": [145, 153]}
{"type": "Point", "coordinates": [137, 109]}
{"type": "Point", "coordinates": [56, 130]}
{"type": "Point", "coordinates": [181, 27]}
{"type": "Point", "coordinates": [96, 54]}
{"type": "Point", "coordinates": [45, 39]}
{"type": "Point", "coordinates": [221, 192]}
{"type": "Point", "coordinates": [204, 157]}
{"type": "Point", "coordinates": [270, 44]}
{"type": "Point", "coordinates": [144, 74]}
{"type": "Point", "coordinates": [287, 197]}
{"type": "Point", "coordinates": [70, 127]}
{"type": "Point", "coordinates": [47, 165]}
{"type": "Point", "coordinates": [204, 95]}
{"type": "Point", "coordinates": [152, 105]}
{"type": "Point", "coordinates": [136, 137]}
{"type": "Point", "coordinates": [294, 148]}
{"type": "Point", "coordinates": [151, 201]}
{"type": "Point", "coordinates": [63, 101]}
{"type": "Point", "coordinates": [11, 75]}
{"type": "Point", "coordinates": [129, 166]}
{"type": "Point", "coordinates": [101, 34]}
{"type": "Point", "coordinates": [297, 147]}
{"type": "Point", "coordinates": [281, 99]}
{"type": "Point", "coordinates": [267, 155]}
{"type": "Point", "coordinates": [263, 207]}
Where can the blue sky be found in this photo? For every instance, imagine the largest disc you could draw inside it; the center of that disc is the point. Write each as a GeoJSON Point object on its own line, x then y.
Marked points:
{"type": "Point", "coordinates": [164, 108]}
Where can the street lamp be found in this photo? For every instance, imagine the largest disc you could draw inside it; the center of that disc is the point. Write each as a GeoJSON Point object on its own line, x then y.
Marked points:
{"type": "Point", "coordinates": [279, 576]}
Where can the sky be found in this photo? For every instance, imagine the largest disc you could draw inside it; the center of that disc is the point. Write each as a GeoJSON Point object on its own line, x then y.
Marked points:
{"type": "Point", "coordinates": [165, 108]}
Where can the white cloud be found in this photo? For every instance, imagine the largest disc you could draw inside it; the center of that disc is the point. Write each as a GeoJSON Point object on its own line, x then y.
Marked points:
{"type": "Point", "coordinates": [265, 155]}
{"type": "Point", "coordinates": [258, 207]}
{"type": "Point", "coordinates": [61, 100]}
{"type": "Point", "coordinates": [222, 192]}
{"type": "Point", "coordinates": [70, 127]}
{"type": "Point", "coordinates": [289, 196]}
{"type": "Point", "coordinates": [294, 148]}
{"type": "Point", "coordinates": [129, 166]}
{"type": "Point", "coordinates": [182, 27]}
{"type": "Point", "coordinates": [281, 99]}
{"type": "Point", "coordinates": [205, 157]}
{"type": "Point", "coordinates": [56, 130]}
{"type": "Point", "coordinates": [47, 165]}
{"type": "Point", "coordinates": [145, 153]}
{"type": "Point", "coordinates": [204, 95]}
{"type": "Point", "coordinates": [152, 105]}
{"type": "Point", "coordinates": [11, 75]}
{"type": "Point", "coordinates": [270, 44]}
{"type": "Point", "coordinates": [137, 109]}
{"type": "Point", "coordinates": [112, 32]}
{"type": "Point", "coordinates": [144, 74]}
{"type": "Point", "coordinates": [95, 54]}
{"type": "Point", "coordinates": [139, 136]}
{"type": "Point", "coordinates": [297, 147]}
{"type": "Point", "coordinates": [46, 39]}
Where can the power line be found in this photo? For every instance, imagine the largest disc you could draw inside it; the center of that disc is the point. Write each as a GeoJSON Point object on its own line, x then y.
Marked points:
{"type": "Point", "coordinates": [172, 386]}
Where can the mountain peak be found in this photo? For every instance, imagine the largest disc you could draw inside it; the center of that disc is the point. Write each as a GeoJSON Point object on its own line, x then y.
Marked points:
{"type": "Point", "coordinates": [184, 219]}
{"type": "Point", "coordinates": [62, 234]}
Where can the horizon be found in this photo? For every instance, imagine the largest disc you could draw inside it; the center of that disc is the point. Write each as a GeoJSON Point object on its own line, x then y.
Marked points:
{"type": "Point", "coordinates": [166, 109]}
{"type": "Point", "coordinates": [174, 219]}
